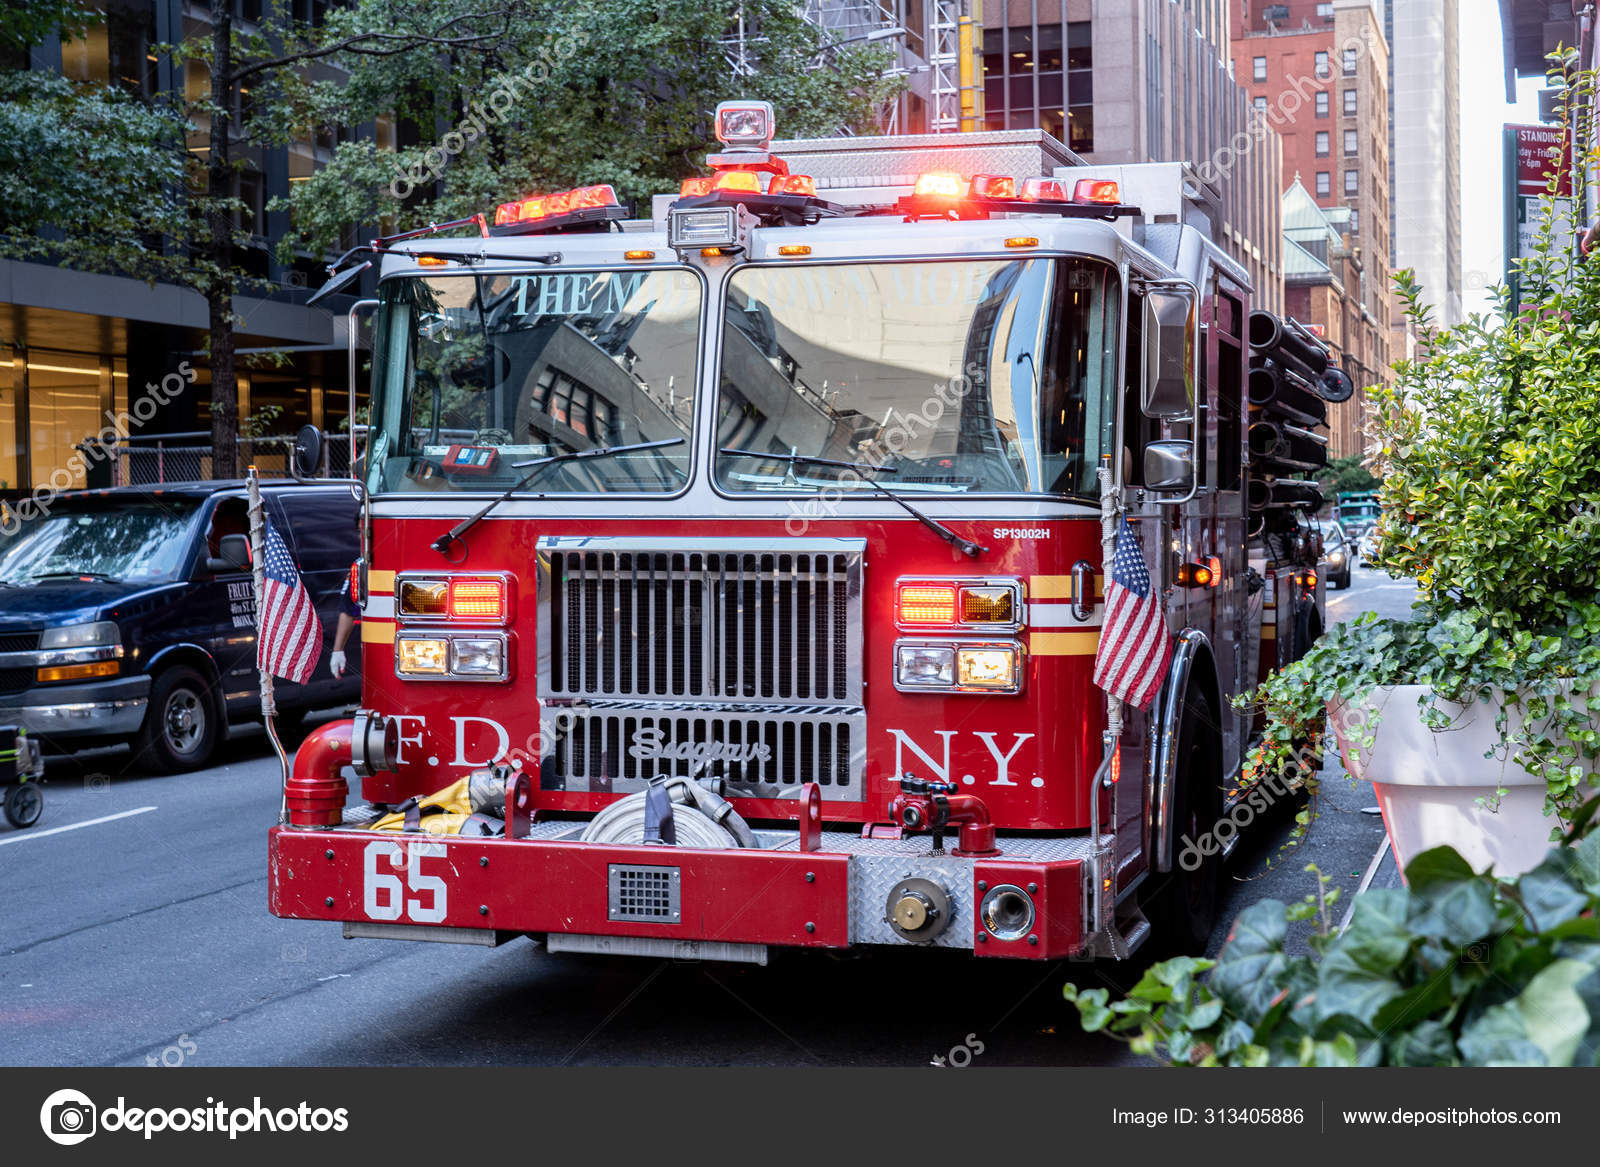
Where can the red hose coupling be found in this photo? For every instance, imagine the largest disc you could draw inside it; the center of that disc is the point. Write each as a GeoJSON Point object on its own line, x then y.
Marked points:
{"type": "Point", "coordinates": [932, 806]}
{"type": "Point", "coordinates": [316, 791]}
{"type": "Point", "coordinates": [977, 832]}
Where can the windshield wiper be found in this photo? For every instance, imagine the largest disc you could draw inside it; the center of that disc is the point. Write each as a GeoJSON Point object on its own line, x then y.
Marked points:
{"type": "Point", "coordinates": [964, 545]}
{"type": "Point", "coordinates": [453, 536]}
{"type": "Point", "coordinates": [98, 575]}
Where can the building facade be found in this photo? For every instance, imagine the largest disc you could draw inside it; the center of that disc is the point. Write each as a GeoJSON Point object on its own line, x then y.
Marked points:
{"type": "Point", "coordinates": [78, 349]}
{"type": "Point", "coordinates": [1319, 72]}
{"type": "Point", "coordinates": [1323, 280]}
{"type": "Point", "coordinates": [1128, 81]}
{"type": "Point", "coordinates": [1425, 151]}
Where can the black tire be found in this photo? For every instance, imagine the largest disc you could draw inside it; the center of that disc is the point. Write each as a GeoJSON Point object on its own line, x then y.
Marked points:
{"type": "Point", "coordinates": [24, 804]}
{"type": "Point", "coordinates": [1183, 911]}
{"type": "Point", "coordinates": [182, 725]}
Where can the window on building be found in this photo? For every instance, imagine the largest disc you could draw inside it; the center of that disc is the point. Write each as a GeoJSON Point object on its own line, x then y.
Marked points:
{"type": "Point", "coordinates": [1261, 104]}
{"type": "Point", "coordinates": [1352, 182]}
{"type": "Point", "coordinates": [1355, 221]}
{"type": "Point", "coordinates": [1349, 102]}
{"type": "Point", "coordinates": [1260, 73]}
{"type": "Point", "coordinates": [1322, 143]}
{"type": "Point", "coordinates": [1324, 187]}
{"type": "Point", "coordinates": [1322, 104]}
{"type": "Point", "coordinates": [1350, 62]}
{"type": "Point", "coordinates": [1031, 79]}
{"type": "Point", "coordinates": [1351, 142]}
{"type": "Point", "coordinates": [1325, 11]}
{"type": "Point", "coordinates": [1322, 65]}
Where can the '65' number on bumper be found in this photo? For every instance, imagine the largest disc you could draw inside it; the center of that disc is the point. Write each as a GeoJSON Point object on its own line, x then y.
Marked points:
{"type": "Point", "coordinates": [384, 897]}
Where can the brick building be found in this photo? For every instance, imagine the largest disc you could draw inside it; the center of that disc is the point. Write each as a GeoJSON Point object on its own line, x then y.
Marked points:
{"type": "Point", "coordinates": [1319, 73]}
{"type": "Point", "coordinates": [1325, 279]}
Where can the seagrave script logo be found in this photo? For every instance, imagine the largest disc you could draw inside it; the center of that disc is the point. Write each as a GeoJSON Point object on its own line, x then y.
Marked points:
{"type": "Point", "coordinates": [651, 743]}
{"type": "Point", "coordinates": [68, 1117]}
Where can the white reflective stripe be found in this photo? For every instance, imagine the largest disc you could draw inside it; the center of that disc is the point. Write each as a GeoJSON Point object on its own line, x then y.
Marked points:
{"type": "Point", "coordinates": [1060, 616]}
{"type": "Point", "coordinates": [379, 608]}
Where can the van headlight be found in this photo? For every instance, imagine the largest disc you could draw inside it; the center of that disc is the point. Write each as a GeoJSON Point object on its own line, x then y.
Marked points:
{"type": "Point", "coordinates": [101, 632]}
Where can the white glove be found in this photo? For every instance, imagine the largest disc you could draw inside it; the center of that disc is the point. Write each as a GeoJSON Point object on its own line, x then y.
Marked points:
{"type": "Point", "coordinates": [336, 663]}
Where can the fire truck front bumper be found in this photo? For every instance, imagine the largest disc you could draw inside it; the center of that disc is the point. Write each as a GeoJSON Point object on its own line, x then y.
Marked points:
{"type": "Point", "coordinates": [1029, 902]}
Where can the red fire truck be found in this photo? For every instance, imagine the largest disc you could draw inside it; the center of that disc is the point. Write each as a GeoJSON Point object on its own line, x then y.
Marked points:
{"type": "Point", "coordinates": [746, 562]}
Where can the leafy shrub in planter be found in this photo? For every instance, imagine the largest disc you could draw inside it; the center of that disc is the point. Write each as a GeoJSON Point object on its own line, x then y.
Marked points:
{"type": "Point", "coordinates": [1458, 969]}
{"type": "Point", "coordinates": [1489, 451]}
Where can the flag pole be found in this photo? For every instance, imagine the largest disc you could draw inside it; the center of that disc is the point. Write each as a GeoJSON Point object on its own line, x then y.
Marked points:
{"type": "Point", "coordinates": [258, 568]}
{"type": "Point", "coordinates": [1110, 521]}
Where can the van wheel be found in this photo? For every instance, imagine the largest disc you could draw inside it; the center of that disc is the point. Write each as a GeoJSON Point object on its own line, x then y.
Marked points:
{"type": "Point", "coordinates": [181, 726]}
{"type": "Point", "coordinates": [1183, 912]}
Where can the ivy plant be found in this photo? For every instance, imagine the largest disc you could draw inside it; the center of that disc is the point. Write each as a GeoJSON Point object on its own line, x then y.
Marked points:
{"type": "Point", "coordinates": [1458, 968]}
{"type": "Point", "coordinates": [1490, 465]}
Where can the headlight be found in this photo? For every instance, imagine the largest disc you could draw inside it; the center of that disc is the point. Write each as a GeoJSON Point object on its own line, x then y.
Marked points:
{"type": "Point", "coordinates": [957, 666]}
{"type": "Point", "coordinates": [478, 656]}
{"type": "Point", "coordinates": [416, 657]}
{"type": "Point", "coordinates": [992, 667]}
{"type": "Point", "coordinates": [81, 635]}
{"type": "Point", "coordinates": [1336, 557]}
{"type": "Point", "coordinates": [925, 666]}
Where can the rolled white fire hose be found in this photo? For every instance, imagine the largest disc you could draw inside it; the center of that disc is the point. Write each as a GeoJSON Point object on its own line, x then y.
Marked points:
{"type": "Point", "coordinates": [702, 820]}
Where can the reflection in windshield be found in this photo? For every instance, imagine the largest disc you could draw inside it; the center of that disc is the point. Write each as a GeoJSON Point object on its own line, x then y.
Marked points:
{"type": "Point", "coordinates": [974, 376]}
{"type": "Point", "coordinates": [480, 372]}
{"type": "Point", "coordinates": [143, 542]}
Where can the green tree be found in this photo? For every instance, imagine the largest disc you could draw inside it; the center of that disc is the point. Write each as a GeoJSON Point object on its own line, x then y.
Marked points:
{"type": "Point", "coordinates": [537, 94]}
{"type": "Point", "coordinates": [1347, 475]}
{"type": "Point", "coordinates": [611, 91]}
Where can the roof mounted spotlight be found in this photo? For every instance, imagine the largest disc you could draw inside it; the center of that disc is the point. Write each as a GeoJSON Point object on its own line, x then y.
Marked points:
{"type": "Point", "coordinates": [745, 125]}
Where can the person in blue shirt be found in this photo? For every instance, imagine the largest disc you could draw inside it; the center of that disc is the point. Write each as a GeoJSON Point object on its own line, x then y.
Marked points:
{"type": "Point", "coordinates": [349, 615]}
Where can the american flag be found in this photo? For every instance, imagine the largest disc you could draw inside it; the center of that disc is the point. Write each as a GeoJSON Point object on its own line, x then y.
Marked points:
{"type": "Point", "coordinates": [291, 635]}
{"type": "Point", "coordinates": [1135, 646]}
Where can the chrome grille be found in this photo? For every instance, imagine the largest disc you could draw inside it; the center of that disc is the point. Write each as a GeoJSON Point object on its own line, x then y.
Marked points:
{"type": "Point", "coordinates": [758, 752]}
{"type": "Point", "coordinates": [717, 621]}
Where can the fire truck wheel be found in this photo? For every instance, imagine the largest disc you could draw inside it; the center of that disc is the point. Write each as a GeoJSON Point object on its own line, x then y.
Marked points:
{"type": "Point", "coordinates": [1184, 910]}
{"type": "Point", "coordinates": [181, 725]}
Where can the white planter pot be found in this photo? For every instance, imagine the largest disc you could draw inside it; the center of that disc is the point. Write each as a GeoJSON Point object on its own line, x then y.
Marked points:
{"type": "Point", "coordinates": [1429, 784]}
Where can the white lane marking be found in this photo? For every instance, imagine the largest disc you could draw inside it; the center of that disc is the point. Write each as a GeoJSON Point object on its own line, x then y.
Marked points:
{"type": "Point", "coordinates": [24, 836]}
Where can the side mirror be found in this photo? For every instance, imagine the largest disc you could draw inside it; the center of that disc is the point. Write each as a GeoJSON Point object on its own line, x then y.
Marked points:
{"type": "Point", "coordinates": [1169, 347]}
{"type": "Point", "coordinates": [308, 452]}
{"type": "Point", "coordinates": [235, 555]}
{"type": "Point", "coordinates": [1169, 466]}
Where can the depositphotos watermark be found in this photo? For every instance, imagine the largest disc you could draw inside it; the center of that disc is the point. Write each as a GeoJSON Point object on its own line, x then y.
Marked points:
{"type": "Point", "coordinates": [491, 110]}
{"type": "Point", "coordinates": [899, 430]}
{"type": "Point", "coordinates": [1265, 794]}
{"type": "Point", "coordinates": [96, 448]}
{"type": "Point", "coordinates": [69, 1117]}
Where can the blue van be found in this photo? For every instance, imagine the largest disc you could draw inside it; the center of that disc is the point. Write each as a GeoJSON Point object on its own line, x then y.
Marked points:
{"type": "Point", "coordinates": [129, 615]}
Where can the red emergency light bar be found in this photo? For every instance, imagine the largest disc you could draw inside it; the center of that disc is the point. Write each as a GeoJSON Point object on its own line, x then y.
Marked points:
{"type": "Point", "coordinates": [584, 206]}
{"type": "Point", "coordinates": [942, 194]}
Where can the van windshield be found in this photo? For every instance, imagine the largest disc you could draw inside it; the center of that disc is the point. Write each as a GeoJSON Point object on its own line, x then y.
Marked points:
{"type": "Point", "coordinates": [137, 541]}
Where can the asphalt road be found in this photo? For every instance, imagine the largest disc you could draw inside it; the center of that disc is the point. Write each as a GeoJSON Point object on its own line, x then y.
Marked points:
{"type": "Point", "coordinates": [134, 931]}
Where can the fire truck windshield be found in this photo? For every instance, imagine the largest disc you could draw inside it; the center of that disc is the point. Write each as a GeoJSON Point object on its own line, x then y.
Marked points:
{"type": "Point", "coordinates": [474, 373]}
{"type": "Point", "coordinates": [973, 376]}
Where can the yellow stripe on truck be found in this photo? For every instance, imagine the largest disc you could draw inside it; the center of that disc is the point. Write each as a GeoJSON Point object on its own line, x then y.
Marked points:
{"type": "Point", "coordinates": [1058, 587]}
{"type": "Point", "coordinates": [380, 581]}
{"type": "Point", "coordinates": [377, 632]}
{"type": "Point", "coordinates": [1064, 643]}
